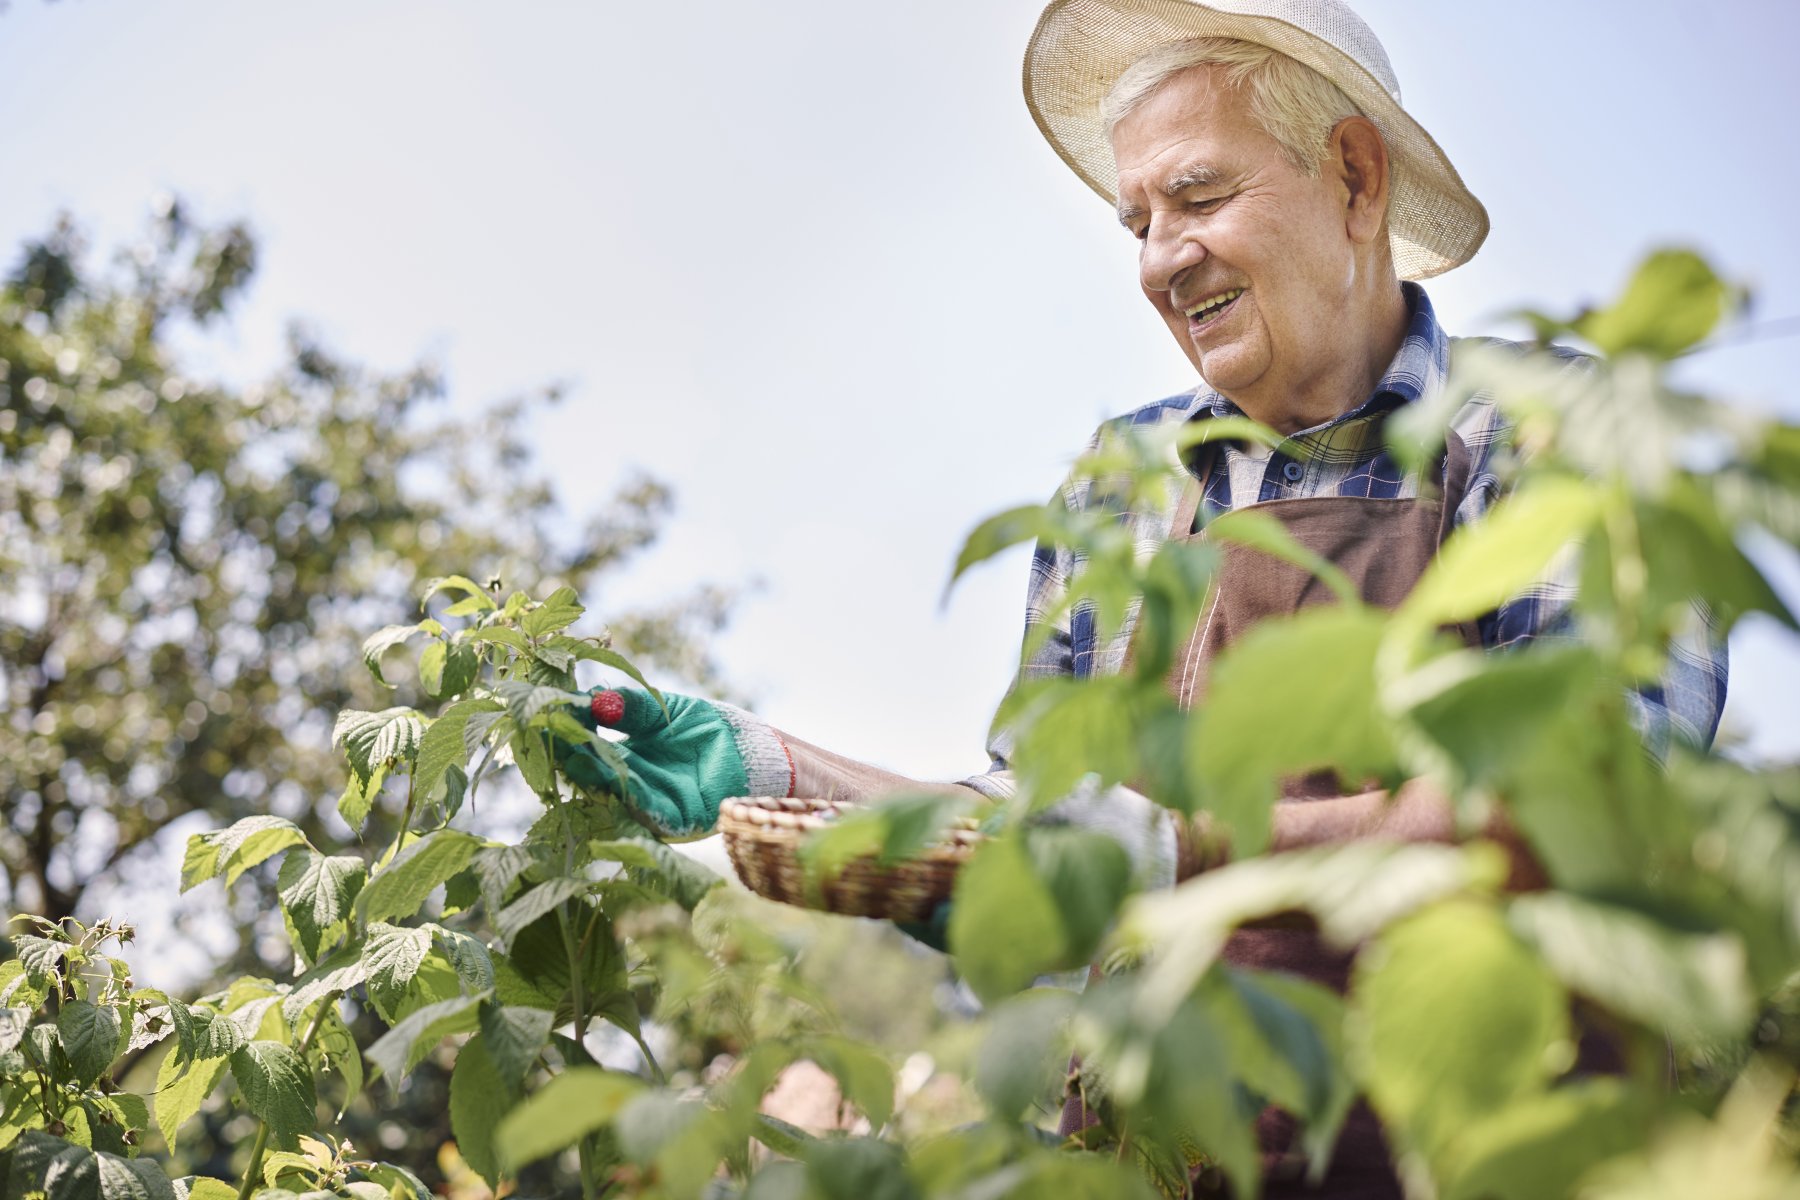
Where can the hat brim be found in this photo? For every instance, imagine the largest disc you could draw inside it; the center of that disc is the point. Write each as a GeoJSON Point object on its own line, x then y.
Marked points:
{"type": "Point", "coordinates": [1080, 48]}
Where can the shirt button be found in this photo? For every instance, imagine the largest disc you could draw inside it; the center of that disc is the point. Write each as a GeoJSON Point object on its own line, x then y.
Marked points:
{"type": "Point", "coordinates": [1292, 472]}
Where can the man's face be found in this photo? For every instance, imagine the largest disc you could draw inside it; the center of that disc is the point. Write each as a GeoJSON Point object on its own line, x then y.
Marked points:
{"type": "Point", "coordinates": [1246, 257]}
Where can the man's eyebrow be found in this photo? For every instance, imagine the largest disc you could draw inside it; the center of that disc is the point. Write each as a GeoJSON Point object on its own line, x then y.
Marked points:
{"type": "Point", "coordinates": [1194, 175]}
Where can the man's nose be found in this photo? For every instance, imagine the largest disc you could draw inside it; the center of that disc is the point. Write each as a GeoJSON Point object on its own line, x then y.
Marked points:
{"type": "Point", "coordinates": [1169, 249]}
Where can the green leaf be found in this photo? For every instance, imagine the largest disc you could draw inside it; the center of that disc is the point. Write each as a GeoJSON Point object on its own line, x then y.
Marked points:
{"type": "Point", "coordinates": [568, 1108]}
{"type": "Point", "coordinates": [593, 652]}
{"type": "Point", "coordinates": [447, 669]}
{"type": "Point", "coordinates": [358, 798]}
{"type": "Point", "coordinates": [1025, 1053]}
{"type": "Point", "coordinates": [497, 868]}
{"type": "Point", "coordinates": [1456, 1019]}
{"type": "Point", "coordinates": [216, 1035]}
{"type": "Point", "coordinates": [1088, 876]}
{"type": "Point", "coordinates": [1693, 987]}
{"type": "Point", "coordinates": [1500, 711]}
{"type": "Point", "coordinates": [859, 1169]}
{"type": "Point", "coordinates": [1005, 927]}
{"type": "Point", "coordinates": [200, 1187]}
{"type": "Point", "coordinates": [1353, 890]}
{"type": "Point", "coordinates": [1251, 735]}
{"type": "Point", "coordinates": [179, 1093]}
{"type": "Point", "coordinates": [1544, 1144]}
{"type": "Point", "coordinates": [13, 1023]}
{"type": "Point", "coordinates": [401, 1048]}
{"type": "Point", "coordinates": [278, 1087]}
{"type": "Point", "coordinates": [479, 1098]}
{"type": "Point", "coordinates": [1674, 300]}
{"type": "Point", "coordinates": [41, 957]}
{"type": "Point", "coordinates": [559, 609]}
{"type": "Point", "coordinates": [525, 700]}
{"type": "Point", "coordinates": [400, 888]}
{"type": "Point", "coordinates": [371, 739]}
{"type": "Point", "coordinates": [527, 909]}
{"type": "Point", "coordinates": [340, 972]}
{"type": "Point", "coordinates": [90, 1037]}
{"type": "Point", "coordinates": [443, 747]}
{"type": "Point", "coordinates": [864, 1076]}
{"type": "Point", "coordinates": [132, 1179]}
{"type": "Point", "coordinates": [236, 849]}
{"type": "Point", "coordinates": [1482, 565]}
{"type": "Point", "coordinates": [514, 1037]}
{"type": "Point", "coordinates": [391, 958]}
{"type": "Point", "coordinates": [468, 955]}
{"type": "Point", "coordinates": [379, 643]}
{"type": "Point", "coordinates": [681, 877]}
{"type": "Point", "coordinates": [1026, 523]}
{"type": "Point", "coordinates": [1287, 1043]}
{"type": "Point", "coordinates": [316, 893]}
{"type": "Point", "coordinates": [499, 635]}
{"type": "Point", "coordinates": [471, 590]}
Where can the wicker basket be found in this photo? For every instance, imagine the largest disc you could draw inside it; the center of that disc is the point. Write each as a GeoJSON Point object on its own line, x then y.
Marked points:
{"type": "Point", "coordinates": [763, 836]}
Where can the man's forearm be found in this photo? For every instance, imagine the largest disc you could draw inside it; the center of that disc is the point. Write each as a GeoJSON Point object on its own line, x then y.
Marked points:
{"type": "Point", "coordinates": [1418, 812]}
{"type": "Point", "coordinates": [821, 775]}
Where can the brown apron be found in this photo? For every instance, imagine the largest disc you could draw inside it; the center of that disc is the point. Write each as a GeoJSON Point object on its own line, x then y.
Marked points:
{"type": "Point", "coordinates": [1383, 546]}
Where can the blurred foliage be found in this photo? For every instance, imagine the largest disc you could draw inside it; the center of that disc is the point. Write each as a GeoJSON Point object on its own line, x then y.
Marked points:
{"type": "Point", "coordinates": [187, 564]}
{"type": "Point", "coordinates": [541, 967]}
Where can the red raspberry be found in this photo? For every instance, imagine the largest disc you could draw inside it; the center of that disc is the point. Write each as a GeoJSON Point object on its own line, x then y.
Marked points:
{"type": "Point", "coordinates": [608, 708]}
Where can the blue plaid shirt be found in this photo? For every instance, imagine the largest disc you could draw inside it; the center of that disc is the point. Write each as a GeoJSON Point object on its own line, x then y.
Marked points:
{"type": "Point", "coordinates": [1348, 456]}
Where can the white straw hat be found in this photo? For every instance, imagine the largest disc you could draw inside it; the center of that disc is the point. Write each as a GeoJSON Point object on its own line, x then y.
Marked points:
{"type": "Point", "coordinates": [1080, 48]}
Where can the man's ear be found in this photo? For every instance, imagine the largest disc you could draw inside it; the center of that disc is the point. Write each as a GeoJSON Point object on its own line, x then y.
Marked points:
{"type": "Point", "coordinates": [1359, 158]}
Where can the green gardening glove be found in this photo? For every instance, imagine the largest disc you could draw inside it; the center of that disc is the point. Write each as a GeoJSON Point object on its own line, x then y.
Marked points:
{"type": "Point", "coordinates": [683, 762]}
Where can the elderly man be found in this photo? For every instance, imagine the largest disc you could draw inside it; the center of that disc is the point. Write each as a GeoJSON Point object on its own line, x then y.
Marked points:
{"type": "Point", "coordinates": [1284, 204]}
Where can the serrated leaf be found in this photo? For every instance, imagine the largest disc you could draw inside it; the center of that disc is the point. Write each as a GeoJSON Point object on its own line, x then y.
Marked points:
{"type": "Point", "coordinates": [13, 1023]}
{"type": "Point", "coordinates": [400, 888]}
{"type": "Point", "coordinates": [469, 957]}
{"type": "Point", "coordinates": [180, 1093]}
{"type": "Point", "coordinates": [215, 1034]}
{"type": "Point", "coordinates": [316, 893]}
{"type": "Point", "coordinates": [447, 669]}
{"type": "Point", "coordinates": [479, 1098]}
{"type": "Point", "coordinates": [443, 747]}
{"type": "Point", "coordinates": [379, 643]}
{"type": "Point", "coordinates": [468, 588]}
{"type": "Point", "coordinates": [681, 877]}
{"type": "Point", "coordinates": [90, 1037]}
{"type": "Point", "coordinates": [514, 1037]}
{"type": "Point", "coordinates": [524, 700]}
{"type": "Point", "coordinates": [497, 868]}
{"type": "Point", "coordinates": [1026, 523]}
{"type": "Point", "coordinates": [571, 1106]}
{"type": "Point", "coordinates": [278, 1087]}
{"type": "Point", "coordinates": [335, 1048]}
{"type": "Point", "coordinates": [559, 610]}
{"type": "Point", "coordinates": [236, 849]}
{"type": "Point", "coordinates": [201, 1187]}
{"type": "Point", "coordinates": [537, 902]}
{"type": "Point", "coordinates": [391, 958]}
{"type": "Point", "coordinates": [401, 1048]}
{"type": "Point", "coordinates": [132, 1179]}
{"type": "Point", "coordinates": [1025, 1051]}
{"type": "Point", "coordinates": [342, 971]}
{"type": "Point", "coordinates": [358, 798]}
{"type": "Point", "coordinates": [371, 739]}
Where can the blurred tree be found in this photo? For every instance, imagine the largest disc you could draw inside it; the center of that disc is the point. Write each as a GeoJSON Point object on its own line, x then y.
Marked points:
{"type": "Point", "coordinates": [187, 568]}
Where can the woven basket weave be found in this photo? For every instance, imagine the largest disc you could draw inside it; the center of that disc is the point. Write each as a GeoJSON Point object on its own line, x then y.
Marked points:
{"type": "Point", "coordinates": [763, 836]}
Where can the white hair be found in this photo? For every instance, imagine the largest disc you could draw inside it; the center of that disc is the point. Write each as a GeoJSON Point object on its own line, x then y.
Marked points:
{"type": "Point", "coordinates": [1289, 101]}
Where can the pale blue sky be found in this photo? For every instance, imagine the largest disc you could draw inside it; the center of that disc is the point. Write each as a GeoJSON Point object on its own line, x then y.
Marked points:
{"type": "Point", "coordinates": [812, 263]}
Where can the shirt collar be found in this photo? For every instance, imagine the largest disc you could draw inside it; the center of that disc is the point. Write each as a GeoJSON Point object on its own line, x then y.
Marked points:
{"type": "Point", "coordinates": [1419, 368]}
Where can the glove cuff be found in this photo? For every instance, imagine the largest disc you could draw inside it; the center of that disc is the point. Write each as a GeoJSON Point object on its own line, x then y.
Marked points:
{"type": "Point", "coordinates": [768, 763]}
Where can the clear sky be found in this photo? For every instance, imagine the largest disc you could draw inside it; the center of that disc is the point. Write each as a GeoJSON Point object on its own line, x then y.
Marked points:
{"type": "Point", "coordinates": [811, 262]}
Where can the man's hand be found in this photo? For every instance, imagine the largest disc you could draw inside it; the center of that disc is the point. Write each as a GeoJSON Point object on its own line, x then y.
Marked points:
{"type": "Point", "coordinates": [684, 762]}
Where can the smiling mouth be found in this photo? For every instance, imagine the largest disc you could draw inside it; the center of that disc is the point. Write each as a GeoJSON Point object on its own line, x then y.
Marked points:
{"type": "Point", "coordinates": [1210, 309]}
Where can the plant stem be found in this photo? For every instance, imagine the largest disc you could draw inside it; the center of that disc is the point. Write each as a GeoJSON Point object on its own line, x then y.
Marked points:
{"type": "Point", "coordinates": [577, 984]}
{"type": "Point", "coordinates": [262, 1129]}
{"type": "Point", "coordinates": [405, 819]}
